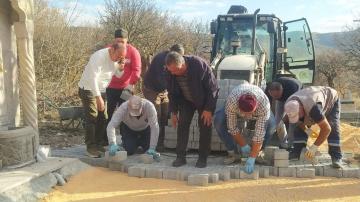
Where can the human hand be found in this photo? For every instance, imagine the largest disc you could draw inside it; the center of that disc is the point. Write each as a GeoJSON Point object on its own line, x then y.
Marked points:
{"type": "Point", "coordinates": [249, 165]}
{"type": "Point", "coordinates": [174, 119]}
{"type": "Point", "coordinates": [100, 104]}
{"type": "Point", "coordinates": [245, 150]}
{"type": "Point", "coordinates": [113, 149]}
{"type": "Point", "coordinates": [206, 116]}
{"type": "Point", "coordinates": [311, 151]}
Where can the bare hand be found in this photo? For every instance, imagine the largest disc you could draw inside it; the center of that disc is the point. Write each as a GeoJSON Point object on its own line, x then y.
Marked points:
{"type": "Point", "coordinates": [206, 116]}
{"type": "Point", "coordinates": [100, 104]}
{"type": "Point", "coordinates": [174, 120]}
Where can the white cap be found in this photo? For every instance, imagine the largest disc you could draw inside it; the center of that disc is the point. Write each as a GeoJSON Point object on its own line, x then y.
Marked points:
{"type": "Point", "coordinates": [135, 105]}
{"type": "Point", "coordinates": [292, 110]}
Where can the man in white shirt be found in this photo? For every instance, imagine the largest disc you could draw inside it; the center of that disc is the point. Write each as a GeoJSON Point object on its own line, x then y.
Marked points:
{"type": "Point", "coordinates": [103, 64]}
{"type": "Point", "coordinates": [139, 126]}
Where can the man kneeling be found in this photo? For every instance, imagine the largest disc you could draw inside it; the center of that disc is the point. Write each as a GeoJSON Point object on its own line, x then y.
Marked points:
{"type": "Point", "coordinates": [138, 127]}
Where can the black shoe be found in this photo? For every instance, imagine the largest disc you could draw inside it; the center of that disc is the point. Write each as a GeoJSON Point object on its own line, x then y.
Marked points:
{"type": "Point", "coordinates": [160, 148]}
{"type": "Point", "coordinates": [293, 155]}
{"type": "Point", "coordinates": [201, 163]}
{"type": "Point", "coordinates": [179, 161]}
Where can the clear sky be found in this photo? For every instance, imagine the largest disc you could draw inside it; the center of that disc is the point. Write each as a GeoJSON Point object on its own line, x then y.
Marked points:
{"type": "Point", "coordinates": [323, 15]}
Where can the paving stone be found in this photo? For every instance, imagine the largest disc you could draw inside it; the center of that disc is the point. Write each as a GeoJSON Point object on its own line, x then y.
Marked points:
{"type": "Point", "coordinates": [154, 172]}
{"type": "Point", "coordinates": [170, 174]}
{"type": "Point", "coordinates": [235, 172]}
{"type": "Point", "coordinates": [281, 154]}
{"type": "Point", "coordinates": [269, 152]}
{"type": "Point", "coordinates": [182, 175]}
{"type": "Point", "coordinates": [287, 172]}
{"type": "Point", "coordinates": [225, 175]}
{"type": "Point", "coordinates": [119, 156]}
{"type": "Point", "coordinates": [135, 171]}
{"type": "Point", "coordinates": [115, 166]}
{"type": "Point", "coordinates": [254, 175]}
{"type": "Point", "coordinates": [332, 172]}
{"type": "Point", "coordinates": [281, 163]}
{"type": "Point", "coordinates": [214, 178]}
{"type": "Point", "coordinates": [264, 171]}
{"type": "Point", "coordinates": [305, 172]}
{"type": "Point", "coordinates": [319, 170]}
{"type": "Point", "coordinates": [198, 179]}
{"type": "Point", "coordinates": [274, 171]}
{"type": "Point", "coordinates": [349, 172]}
{"type": "Point", "coordinates": [146, 158]}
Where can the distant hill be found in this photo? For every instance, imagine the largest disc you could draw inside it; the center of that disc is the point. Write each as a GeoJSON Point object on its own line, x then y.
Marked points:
{"type": "Point", "coordinates": [323, 41]}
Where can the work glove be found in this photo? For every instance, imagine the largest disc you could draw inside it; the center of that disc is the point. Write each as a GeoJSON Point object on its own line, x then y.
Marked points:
{"type": "Point", "coordinates": [245, 150]}
{"type": "Point", "coordinates": [311, 133]}
{"type": "Point", "coordinates": [249, 165]}
{"type": "Point", "coordinates": [113, 149]}
{"type": "Point", "coordinates": [154, 154]}
{"type": "Point", "coordinates": [311, 151]}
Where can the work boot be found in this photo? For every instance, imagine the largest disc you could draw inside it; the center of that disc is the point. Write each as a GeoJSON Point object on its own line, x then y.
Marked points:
{"type": "Point", "coordinates": [201, 162]}
{"type": "Point", "coordinates": [179, 161]}
{"type": "Point", "coordinates": [337, 163]}
{"type": "Point", "coordinates": [101, 148]}
{"type": "Point", "coordinates": [231, 158]}
{"type": "Point", "coordinates": [93, 152]}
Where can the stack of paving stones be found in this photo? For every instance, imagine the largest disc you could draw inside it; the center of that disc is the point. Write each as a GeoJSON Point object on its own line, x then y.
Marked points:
{"type": "Point", "coordinates": [226, 86]}
{"type": "Point", "coordinates": [142, 167]}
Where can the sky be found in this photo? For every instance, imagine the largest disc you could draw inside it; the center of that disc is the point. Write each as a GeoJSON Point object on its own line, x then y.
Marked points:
{"type": "Point", "coordinates": [323, 15]}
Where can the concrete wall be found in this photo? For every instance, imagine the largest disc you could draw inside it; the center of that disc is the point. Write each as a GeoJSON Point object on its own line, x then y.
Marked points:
{"type": "Point", "coordinates": [9, 89]}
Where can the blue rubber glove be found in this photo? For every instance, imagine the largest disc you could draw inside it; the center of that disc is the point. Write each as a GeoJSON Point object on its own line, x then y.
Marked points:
{"type": "Point", "coordinates": [113, 149]}
{"type": "Point", "coordinates": [245, 150]}
{"type": "Point", "coordinates": [249, 165]}
{"type": "Point", "coordinates": [153, 153]}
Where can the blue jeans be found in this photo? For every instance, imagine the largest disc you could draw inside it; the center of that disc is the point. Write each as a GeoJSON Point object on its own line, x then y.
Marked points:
{"type": "Point", "coordinates": [222, 130]}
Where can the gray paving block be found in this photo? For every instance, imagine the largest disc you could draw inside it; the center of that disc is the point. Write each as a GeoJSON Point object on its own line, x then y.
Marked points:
{"type": "Point", "coordinates": [198, 179]}
{"type": "Point", "coordinates": [269, 152]}
{"type": "Point", "coordinates": [115, 166]}
{"type": "Point", "coordinates": [135, 171]}
{"type": "Point", "coordinates": [146, 158]}
{"type": "Point", "coordinates": [274, 171]}
{"type": "Point", "coordinates": [235, 172]}
{"type": "Point", "coordinates": [319, 170]}
{"type": "Point", "coordinates": [182, 175]}
{"type": "Point", "coordinates": [170, 174]}
{"type": "Point", "coordinates": [281, 163]}
{"type": "Point", "coordinates": [119, 156]}
{"type": "Point", "coordinates": [154, 172]}
{"type": "Point", "coordinates": [254, 175]}
{"type": "Point", "coordinates": [305, 172]}
{"type": "Point", "coordinates": [287, 171]}
{"type": "Point", "coordinates": [264, 171]}
{"type": "Point", "coordinates": [281, 154]}
{"type": "Point", "coordinates": [214, 178]}
{"type": "Point", "coordinates": [332, 172]}
{"type": "Point", "coordinates": [225, 175]}
{"type": "Point", "coordinates": [349, 172]}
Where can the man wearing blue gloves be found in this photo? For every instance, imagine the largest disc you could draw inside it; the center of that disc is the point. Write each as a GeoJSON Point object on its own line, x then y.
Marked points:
{"type": "Point", "coordinates": [247, 102]}
{"type": "Point", "coordinates": [138, 127]}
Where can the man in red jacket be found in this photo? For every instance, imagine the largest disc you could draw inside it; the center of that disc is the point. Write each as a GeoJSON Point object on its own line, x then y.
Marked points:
{"type": "Point", "coordinates": [125, 79]}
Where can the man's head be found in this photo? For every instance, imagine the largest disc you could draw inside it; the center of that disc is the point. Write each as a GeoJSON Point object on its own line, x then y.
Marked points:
{"type": "Point", "coordinates": [121, 36]}
{"type": "Point", "coordinates": [175, 63]}
{"type": "Point", "coordinates": [294, 111]}
{"type": "Point", "coordinates": [275, 90]}
{"type": "Point", "coordinates": [179, 48]}
{"type": "Point", "coordinates": [135, 105]}
{"type": "Point", "coordinates": [247, 104]}
{"type": "Point", "coordinates": [117, 52]}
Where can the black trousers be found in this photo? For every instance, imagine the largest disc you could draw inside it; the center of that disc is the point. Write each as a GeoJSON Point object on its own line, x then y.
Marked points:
{"type": "Point", "coordinates": [113, 100]}
{"type": "Point", "coordinates": [186, 113]}
{"type": "Point", "coordinates": [133, 139]}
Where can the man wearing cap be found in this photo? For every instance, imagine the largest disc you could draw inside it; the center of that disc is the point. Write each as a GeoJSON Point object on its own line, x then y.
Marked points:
{"type": "Point", "coordinates": [154, 89]}
{"type": "Point", "coordinates": [247, 102]}
{"type": "Point", "coordinates": [94, 80]}
{"type": "Point", "coordinates": [279, 91]}
{"type": "Point", "coordinates": [192, 86]}
{"type": "Point", "coordinates": [138, 125]}
{"type": "Point", "coordinates": [315, 105]}
{"type": "Point", "coordinates": [119, 86]}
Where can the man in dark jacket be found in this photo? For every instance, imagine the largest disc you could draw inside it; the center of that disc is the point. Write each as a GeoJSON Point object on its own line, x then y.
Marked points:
{"type": "Point", "coordinates": [278, 92]}
{"type": "Point", "coordinates": [192, 86]}
{"type": "Point", "coordinates": [155, 90]}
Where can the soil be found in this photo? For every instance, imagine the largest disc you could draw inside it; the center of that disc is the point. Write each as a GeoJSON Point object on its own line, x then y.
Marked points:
{"type": "Point", "coordinates": [100, 184]}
